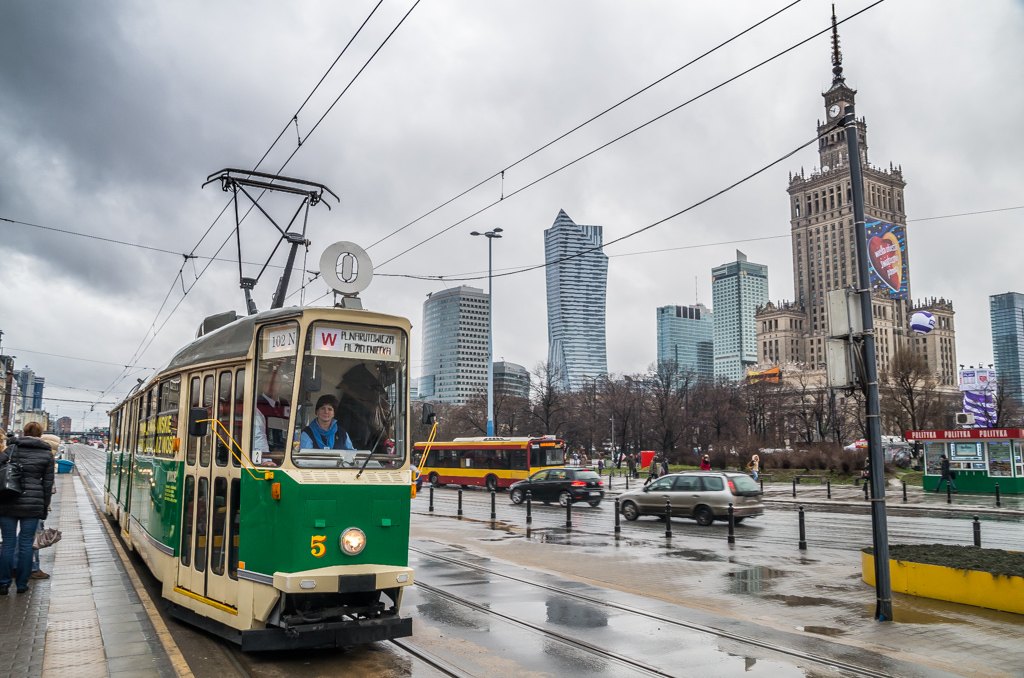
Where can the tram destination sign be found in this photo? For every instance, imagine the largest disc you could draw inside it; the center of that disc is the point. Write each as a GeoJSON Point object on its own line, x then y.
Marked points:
{"type": "Point", "coordinates": [351, 342]}
{"type": "Point", "coordinates": [965, 434]}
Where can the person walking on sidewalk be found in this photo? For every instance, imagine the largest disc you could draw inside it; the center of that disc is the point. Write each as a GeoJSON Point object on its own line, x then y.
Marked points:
{"type": "Point", "coordinates": [947, 475]}
{"type": "Point", "coordinates": [705, 463]}
{"type": "Point", "coordinates": [20, 513]}
{"type": "Point", "coordinates": [754, 465]}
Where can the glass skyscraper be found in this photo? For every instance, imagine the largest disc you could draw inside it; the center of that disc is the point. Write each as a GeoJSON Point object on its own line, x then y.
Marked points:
{"type": "Point", "coordinates": [577, 289]}
{"type": "Point", "coordinates": [454, 346]}
{"type": "Point", "coordinates": [1007, 312]}
{"type": "Point", "coordinates": [738, 289]}
{"type": "Point", "coordinates": [686, 336]}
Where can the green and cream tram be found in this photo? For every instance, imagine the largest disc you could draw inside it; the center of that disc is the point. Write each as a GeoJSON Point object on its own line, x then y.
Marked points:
{"type": "Point", "coordinates": [259, 531]}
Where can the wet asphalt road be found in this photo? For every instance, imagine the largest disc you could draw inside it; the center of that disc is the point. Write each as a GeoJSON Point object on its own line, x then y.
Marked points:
{"type": "Point", "coordinates": [487, 618]}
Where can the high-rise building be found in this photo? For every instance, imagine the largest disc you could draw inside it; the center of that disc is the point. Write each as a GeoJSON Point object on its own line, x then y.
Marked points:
{"type": "Point", "coordinates": [686, 337]}
{"type": "Point", "coordinates": [511, 380]}
{"type": "Point", "coordinates": [454, 345]}
{"type": "Point", "coordinates": [825, 254]}
{"type": "Point", "coordinates": [738, 289]}
{"type": "Point", "coordinates": [62, 426]}
{"type": "Point", "coordinates": [31, 388]}
{"type": "Point", "coordinates": [577, 288]}
{"type": "Point", "coordinates": [1007, 313]}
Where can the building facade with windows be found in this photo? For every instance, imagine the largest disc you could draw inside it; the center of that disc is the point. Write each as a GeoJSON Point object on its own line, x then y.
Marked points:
{"type": "Point", "coordinates": [454, 354]}
{"type": "Point", "coordinates": [1007, 314]}
{"type": "Point", "coordinates": [686, 337]}
{"type": "Point", "coordinates": [738, 290]}
{"type": "Point", "coordinates": [825, 256]}
{"type": "Point", "coordinates": [576, 294]}
{"type": "Point", "coordinates": [511, 380]}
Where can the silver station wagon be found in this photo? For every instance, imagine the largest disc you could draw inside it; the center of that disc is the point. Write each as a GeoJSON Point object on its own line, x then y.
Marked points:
{"type": "Point", "coordinates": [702, 495]}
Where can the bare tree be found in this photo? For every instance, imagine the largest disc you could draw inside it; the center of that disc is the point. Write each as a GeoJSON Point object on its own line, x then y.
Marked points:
{"type": "Point", "coordinates": [670, 388]}
{"type": "Point", "coordinates": [907, 391]}
{"type": "Point", "coordinates": [549, 407]}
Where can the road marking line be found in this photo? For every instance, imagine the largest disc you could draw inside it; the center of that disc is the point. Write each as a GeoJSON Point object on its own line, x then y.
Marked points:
{"type": "Point", "coordinates": [178, 663]}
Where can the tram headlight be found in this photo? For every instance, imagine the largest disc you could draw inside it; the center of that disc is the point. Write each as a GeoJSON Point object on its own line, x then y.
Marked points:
{"type": "Point", "coordinates": [353, 541]}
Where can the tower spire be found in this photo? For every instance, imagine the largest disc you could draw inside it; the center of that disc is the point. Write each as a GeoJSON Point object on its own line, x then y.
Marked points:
{"type": "Point", "coordinates": [837, 56]}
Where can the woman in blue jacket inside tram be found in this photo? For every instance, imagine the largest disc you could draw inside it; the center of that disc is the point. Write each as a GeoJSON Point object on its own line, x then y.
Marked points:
{"type": "Point", "coordinates": [324, 433]}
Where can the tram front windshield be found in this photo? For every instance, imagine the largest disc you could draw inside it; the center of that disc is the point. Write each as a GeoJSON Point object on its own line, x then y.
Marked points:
{"type": "Point", "coordinates": [350, 410]}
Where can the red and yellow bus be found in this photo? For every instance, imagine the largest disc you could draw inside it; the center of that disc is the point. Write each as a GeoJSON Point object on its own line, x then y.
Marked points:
{"type": "Point", "coordinates": [491, 462]}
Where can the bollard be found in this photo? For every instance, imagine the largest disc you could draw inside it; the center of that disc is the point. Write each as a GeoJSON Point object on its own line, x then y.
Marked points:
{"type": "Point", "coordinates": [762, 484]}
{"type": "Point", "coordinates": [617, 529]}
{"type": "Point", "coordinates": [568, 515]}
{"type": "Point", "coordinates": [627, 481]}
{"type": "Point", "coordinates": [828, 485]}
{"type": "Point", "coordinates": [493, 514]}
{"type": "Point", "coordinates": [668, 518]}
{"type": "Point", "coordinates": [949, 491]}
{"type": "Point", "coordinates": [460, 504]}
{"type": "Point", "coordinates": [866, 488]}
{"type": "Point", "coordinates": [803, 532]}
{"type": "Point", "coordinates": [529, 510]}
{"type": "Point", "coordinates": [794, 488]}
{"type": "Point", "coordinates": [904, 491]}
{"type": "Point", "coordinates": [997, 496]}
{"type": "Point", "coordinates": [977, 532]}
{"type": "Point", "coordinates": [732, 525]}
{"type": "Point", "coordinates": [610, 474]}
{"type": "Point", "coordinates": [431, 509]}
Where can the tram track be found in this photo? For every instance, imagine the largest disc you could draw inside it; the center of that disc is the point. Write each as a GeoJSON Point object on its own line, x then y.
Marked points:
{"type": "Point", "coordinates": [803, 655]}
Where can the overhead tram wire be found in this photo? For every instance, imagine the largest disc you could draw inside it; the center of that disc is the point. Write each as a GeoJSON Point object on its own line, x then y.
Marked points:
{"type": "Point", "coordinates": [636, 232]}
{"type": "Point", "coordinates": [69, 357]}
{"type": "Point", "coordinates": [585, 123]}
{"type": "Point", "coordinates": [273, 144]}
{"type": "Point", "coordinates": [628, 133]}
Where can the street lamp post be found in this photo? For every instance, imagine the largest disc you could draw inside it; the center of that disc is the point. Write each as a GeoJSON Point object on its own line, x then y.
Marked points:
{"type": "Point", "coordinates": [491, 235]}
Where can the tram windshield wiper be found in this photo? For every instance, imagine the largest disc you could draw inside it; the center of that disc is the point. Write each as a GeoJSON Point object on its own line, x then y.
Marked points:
{"type": "Point", "coordinates": [380, 436]}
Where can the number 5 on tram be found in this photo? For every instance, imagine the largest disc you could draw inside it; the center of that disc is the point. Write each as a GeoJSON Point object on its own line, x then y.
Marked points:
{"type": "Point", "coordinates": [263, 476]}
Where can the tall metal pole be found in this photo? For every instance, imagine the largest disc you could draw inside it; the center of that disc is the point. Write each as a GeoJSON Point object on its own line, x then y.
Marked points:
{"type": "Point", "coordinates": [490, 345]}
{"type": "Point", "coordinates": [879, 528]}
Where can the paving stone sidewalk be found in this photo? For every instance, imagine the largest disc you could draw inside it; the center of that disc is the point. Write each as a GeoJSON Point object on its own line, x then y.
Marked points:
{"type": "Point", "coordinates": [86, 620]}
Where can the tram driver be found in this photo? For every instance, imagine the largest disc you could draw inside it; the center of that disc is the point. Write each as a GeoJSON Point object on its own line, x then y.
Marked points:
{"type": "Point", "coordinates": [324, 432]}
{"type": "Point", "coordinates": [270, 419]}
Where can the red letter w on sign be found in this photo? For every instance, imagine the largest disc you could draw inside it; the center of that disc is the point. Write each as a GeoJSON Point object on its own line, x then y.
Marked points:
{"type": "Point", "coordinates": [326, 338]}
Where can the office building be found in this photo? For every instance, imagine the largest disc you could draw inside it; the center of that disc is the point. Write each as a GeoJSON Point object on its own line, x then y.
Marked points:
{"type": "Point", "coordinates": [31, 388]}
{"type": "Point", "coordinates": [511, 380]}
{"type": "Point", "coordinates": [454, 346]}
{"type": "Point", "coordinates": [62, 426]}
{"type": "Point", "coordinates": [576, 290]}
{"type": "Point", "coordinates": [686, 337]}
{"type": "Point", "coordinates": [1007, 313]}
{"type": "Point", "coordinates": [738, 289]}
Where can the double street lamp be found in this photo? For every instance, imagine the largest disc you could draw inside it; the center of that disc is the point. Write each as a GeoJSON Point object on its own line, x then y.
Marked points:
{"type": "Point", "coordinates": [491, 235]}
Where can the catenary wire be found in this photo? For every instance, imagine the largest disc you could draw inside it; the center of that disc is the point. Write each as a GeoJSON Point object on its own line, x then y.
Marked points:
{"type": "Point", "coordinates": [629, 132]}
{"type": "Point", "coordinates": [69, 357]}
{"type": "Point", "coordinates": [584, 123]}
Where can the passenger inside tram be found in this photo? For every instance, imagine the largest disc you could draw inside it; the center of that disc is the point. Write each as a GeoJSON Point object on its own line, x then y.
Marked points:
{"type": "Point", "coordinates": [270, 418]}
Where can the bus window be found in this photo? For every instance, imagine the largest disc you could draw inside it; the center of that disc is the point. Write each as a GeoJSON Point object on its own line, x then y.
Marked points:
{"type": "Point", "coordinates": [351, 401]}
{"type": "Point", "coordinates": [519, 460]}
{"type": "Point", "coordinates": [275, 379]}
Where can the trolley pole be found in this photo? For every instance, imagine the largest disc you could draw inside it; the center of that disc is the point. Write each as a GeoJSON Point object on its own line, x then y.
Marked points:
{"type": "Point", "coordinates": [879, 523]}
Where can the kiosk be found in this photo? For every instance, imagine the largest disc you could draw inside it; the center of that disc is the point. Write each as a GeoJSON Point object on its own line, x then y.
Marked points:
{"type": "Point", "coordinates": [981, 458]}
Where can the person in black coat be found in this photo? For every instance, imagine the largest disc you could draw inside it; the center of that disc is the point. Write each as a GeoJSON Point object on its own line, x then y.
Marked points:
{"type": "Point", "coordinates": [20, 513]}
{"type": "Point", "coordinates": [946, 475]}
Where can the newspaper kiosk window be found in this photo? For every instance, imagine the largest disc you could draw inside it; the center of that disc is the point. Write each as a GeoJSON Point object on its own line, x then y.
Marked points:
{"type": "Point", "coordinates": [351, 409]}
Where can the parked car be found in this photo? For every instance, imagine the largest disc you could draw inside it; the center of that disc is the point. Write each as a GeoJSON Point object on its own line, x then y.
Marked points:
{"type": "Point", "coordinates": [704, 496]}
{"type": "Point", "coordinates": [563, 485]}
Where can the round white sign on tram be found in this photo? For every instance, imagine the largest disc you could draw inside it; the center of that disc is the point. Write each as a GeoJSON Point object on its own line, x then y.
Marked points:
{"type": "Point", "coordinates": [346, 268]}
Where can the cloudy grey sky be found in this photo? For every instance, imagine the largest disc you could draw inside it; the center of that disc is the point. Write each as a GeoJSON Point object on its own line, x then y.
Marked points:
{"type": "Point", "coordinates": [113, 113]}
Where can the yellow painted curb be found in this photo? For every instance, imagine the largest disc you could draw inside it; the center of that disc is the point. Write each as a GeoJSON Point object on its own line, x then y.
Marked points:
{"type": "Point", "coordinates": [178, 663]}
{"type": "Point", "coordinates": [969, 587]}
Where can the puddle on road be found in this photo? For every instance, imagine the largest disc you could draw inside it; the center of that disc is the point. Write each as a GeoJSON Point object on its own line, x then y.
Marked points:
{"type": "Point", "coordinates": [695, 554]}
{"type": "Point", "coordinates": [753, 579]}
{"type": "Point", "coordinates": [562, 538]}
{"type": "Point", "coordinates": [802, 601]}
{"type": "Point", "coordinates": [902, 615]}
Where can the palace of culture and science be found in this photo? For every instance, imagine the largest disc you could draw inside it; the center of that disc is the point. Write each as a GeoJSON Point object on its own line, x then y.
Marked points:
{"type": "Point", "coordinates": [793, 334]}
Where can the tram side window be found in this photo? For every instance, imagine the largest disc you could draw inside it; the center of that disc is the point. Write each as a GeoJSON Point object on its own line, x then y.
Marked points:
{"type": "Point", "coordinates": [219, 509]}
{"type": "Point", "coordinates": [186, 531]}
{"type": "Point", "coordinates": [233, 525]}
{"type": "Point", "coordinates": [236, 409]}
{"type": "Point", "coordinates": [275, 379]}
{"type": "Point", "coordinates": [194, 398]}
{"type": "Point", "coordinates": [205, 442]}
{"type": "Point", "coordinates": [201, 520]}
{"type": "Point", "coordinates": [224, 417]}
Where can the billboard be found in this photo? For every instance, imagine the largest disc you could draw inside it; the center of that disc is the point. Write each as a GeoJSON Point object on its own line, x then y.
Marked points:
{"type": "Point", "coordinates": [979, 380]}
{"type": "Point", "coordinates": [887, 258]}
{"type": "Point", "coordinates": [772, 376]}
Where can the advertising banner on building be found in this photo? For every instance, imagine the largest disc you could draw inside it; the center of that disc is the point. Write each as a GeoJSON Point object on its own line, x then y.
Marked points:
{"type": "Point", "coordinates": [887, 258]}
{"type": "Point", "coordinates": [978, 380]}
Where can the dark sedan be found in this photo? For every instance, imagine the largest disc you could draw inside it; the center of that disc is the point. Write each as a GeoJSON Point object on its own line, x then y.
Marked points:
{"type": "Point", "coordinates": [563, 485]}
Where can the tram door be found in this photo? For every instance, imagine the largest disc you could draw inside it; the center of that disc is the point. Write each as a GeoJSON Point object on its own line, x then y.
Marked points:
{"type": "Point", "coordinates": [208, 555]}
